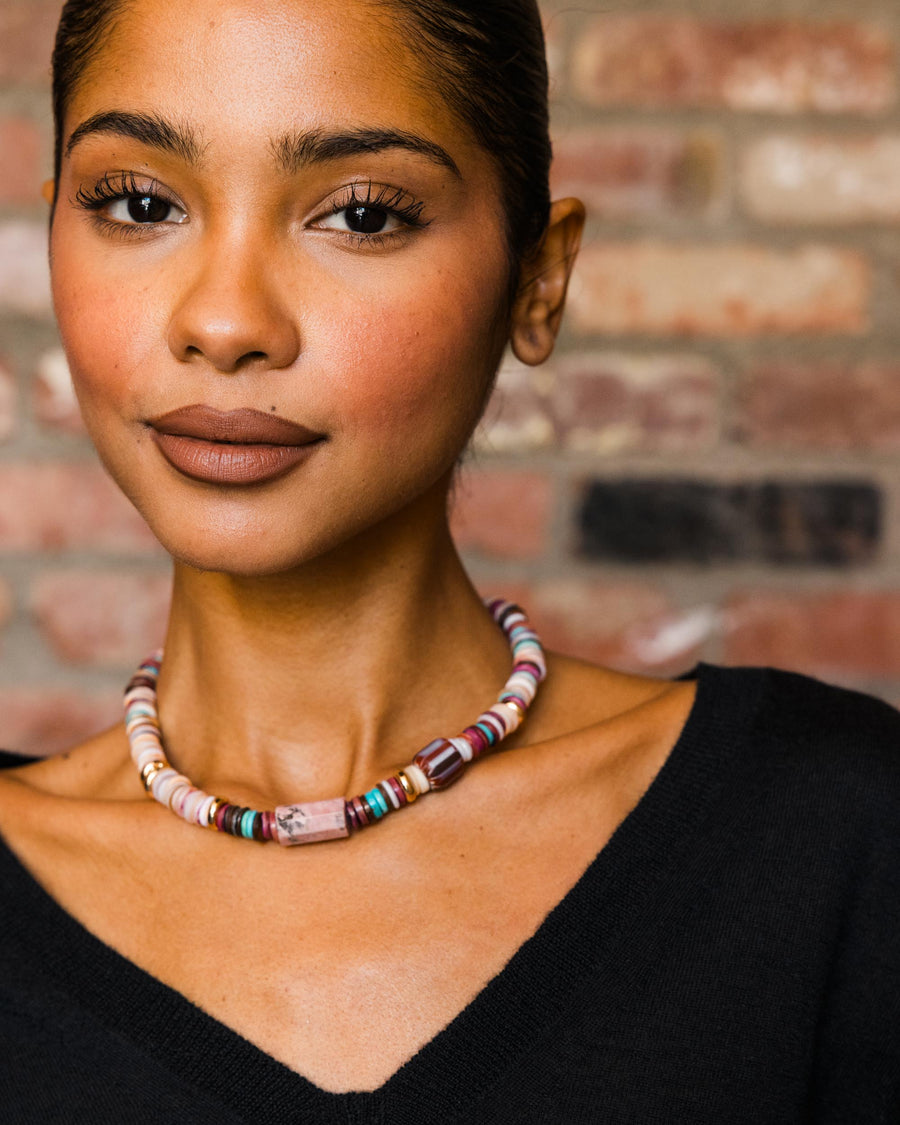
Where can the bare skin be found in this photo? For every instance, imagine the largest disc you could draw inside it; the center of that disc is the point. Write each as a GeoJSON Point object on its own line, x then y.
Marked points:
{"type": "Point", "coordinates": [322, 627]}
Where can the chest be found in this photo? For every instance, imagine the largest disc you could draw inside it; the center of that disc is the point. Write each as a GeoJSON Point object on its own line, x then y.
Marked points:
{"type": "Point", "coordinates": [339, 961]}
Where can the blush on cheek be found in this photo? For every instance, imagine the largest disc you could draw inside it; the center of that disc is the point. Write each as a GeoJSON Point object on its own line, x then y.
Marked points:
{"type": "Point", "coordinates": [423, 387]}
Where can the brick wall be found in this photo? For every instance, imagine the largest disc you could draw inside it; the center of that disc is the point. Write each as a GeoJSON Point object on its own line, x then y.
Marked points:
{"type": "Point", "coordinates": [708, 468]}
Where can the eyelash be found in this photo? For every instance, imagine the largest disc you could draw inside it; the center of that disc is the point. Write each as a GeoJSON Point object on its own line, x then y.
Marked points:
{"type": "Point", "coordinates": [110, 189]}
{"type": "Point", "coordinates": [393, 201]}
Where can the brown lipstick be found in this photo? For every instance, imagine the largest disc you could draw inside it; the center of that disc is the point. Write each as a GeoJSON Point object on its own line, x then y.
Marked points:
{"type": "Point", "coordinates": [232, 447]}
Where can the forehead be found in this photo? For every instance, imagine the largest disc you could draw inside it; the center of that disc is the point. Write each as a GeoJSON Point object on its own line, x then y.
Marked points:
{"type": "Point", "coordinates": [253, 67]}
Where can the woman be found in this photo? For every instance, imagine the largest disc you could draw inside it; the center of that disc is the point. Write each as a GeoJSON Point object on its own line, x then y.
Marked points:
{"type": "Point", "coordinates": [290, 241]}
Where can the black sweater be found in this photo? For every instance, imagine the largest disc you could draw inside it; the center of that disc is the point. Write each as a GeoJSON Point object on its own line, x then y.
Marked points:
{"type": "Point", "coordinates": [731, 956]}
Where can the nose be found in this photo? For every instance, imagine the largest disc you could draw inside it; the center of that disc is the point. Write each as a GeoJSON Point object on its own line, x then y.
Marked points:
{"type": "Point", "coordinates": [231, 315]}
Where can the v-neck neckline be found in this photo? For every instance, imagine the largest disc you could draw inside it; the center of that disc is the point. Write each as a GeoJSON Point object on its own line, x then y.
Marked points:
{"type": "Point", "coordinates": [581, 934]}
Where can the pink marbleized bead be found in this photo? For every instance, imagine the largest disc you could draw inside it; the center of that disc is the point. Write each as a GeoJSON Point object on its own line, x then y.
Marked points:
{"type": "Point", "coordinates": [308, 823]}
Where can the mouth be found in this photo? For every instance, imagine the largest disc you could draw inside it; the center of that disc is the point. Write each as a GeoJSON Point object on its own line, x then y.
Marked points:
{"type": "Point", "coordinates": [232, 446]}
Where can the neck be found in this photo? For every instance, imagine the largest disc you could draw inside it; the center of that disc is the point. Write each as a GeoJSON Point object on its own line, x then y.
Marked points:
{"type": "Point", "coordinates": [317, 682]}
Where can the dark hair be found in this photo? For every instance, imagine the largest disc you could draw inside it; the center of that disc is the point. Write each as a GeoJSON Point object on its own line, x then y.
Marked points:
{"type": "Point", "coordinates": [487, 62]}
{"type": "Point", "coordinates": [83, 25]}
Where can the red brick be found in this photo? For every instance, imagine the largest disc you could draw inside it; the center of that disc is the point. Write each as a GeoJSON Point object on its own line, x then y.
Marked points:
{"type": "Point", "coordinates": [608, 402]}
{"type": "Point", "coordinates": [517, 418]}
{"type": "Point", "coordinates": [820, 406]}
{"type": "Point", "coordinates": [832, 633]}
{"type": "Point", "coordinates": [610, 623]}
{"type": "Point", "coordinates": [719, 290]}
{"type": "Point", "coordinates": [8, 403]}
{"type": "Point", "coordinates": [788, 179]}
{"type": "Point", "coordinates": [42, 720]}
{"type": "Point", "coordinates": [20, 159]}
{"type": "Point", "coordinates": [502, 513]}
{"type": "Point", "coordinates": [55, 404]}
{"type": "Point", "coordinates": [111, 619]}
{"type": "Point", "coordinates": [27, 28]}
{"type": "Point", "coordinates": [24, 275]}
{"type": "Point", "coordinates": [774, 66]}
{"type": "Point", "coordinates": [50, 506]}
{"type": "Point", "coordinates": [638, 172]}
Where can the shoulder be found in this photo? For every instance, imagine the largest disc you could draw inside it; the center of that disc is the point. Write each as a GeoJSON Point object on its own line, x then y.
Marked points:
{"type": "Point", "coordinates": [817, 744]}
{"type": "Point", "coordinates": [812, 718]}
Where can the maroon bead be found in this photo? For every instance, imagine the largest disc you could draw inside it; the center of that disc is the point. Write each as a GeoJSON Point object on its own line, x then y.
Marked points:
{"type": "Point", "coordinates": [441, 763]}
{"type": "Point", "coordinates": [398, 791]}
{"type": "Point", "coordinates": [507, 613]}
{"type": "Point", "coordinates": [527, 666]}
{"type": "Point", "coordinates": [361, 810]}
{"type": "Point", "coordinates": [220, 817]}
{"type": "Point", "coordinates": [141, 680]}
{"type": "Point", "coordinates": [477, 739]}
{"type": "Point", "coordinates": [494, 723]}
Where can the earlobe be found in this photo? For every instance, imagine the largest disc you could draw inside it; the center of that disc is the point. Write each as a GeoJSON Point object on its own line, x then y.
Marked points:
{"type": "Point", "coordinates": [48, 191]}
{"type": "Point", "coordinates": [537, 312]}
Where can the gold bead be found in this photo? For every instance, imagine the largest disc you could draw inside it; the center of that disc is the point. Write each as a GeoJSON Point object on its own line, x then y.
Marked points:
{"type": "Point", "coordinates": [150, 771]}
{"type": "Point", "coordinates": [408, 788]}
{"type": "Point", "coordinates": [214, 811]}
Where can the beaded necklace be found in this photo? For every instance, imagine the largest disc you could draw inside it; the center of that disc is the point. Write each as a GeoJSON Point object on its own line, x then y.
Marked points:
{"type": "Point", "coordinates": [436, 766]}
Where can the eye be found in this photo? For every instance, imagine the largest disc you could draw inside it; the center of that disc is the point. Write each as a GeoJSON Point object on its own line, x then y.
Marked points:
{"type": "Point", "coordinates": [362, 219]}
{"type": "Point", "coordinates": [144, 209]}
{"type": "Point", "coordinates": [374, 215]}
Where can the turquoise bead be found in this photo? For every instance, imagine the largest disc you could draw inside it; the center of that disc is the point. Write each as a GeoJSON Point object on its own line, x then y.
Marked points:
{"type": "Point", "coordinates": [377, 803]}
{"type": "Point", "coordinates": [488, 732]}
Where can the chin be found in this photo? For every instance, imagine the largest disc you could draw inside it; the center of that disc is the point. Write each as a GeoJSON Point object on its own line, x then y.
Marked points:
{"type": "Point", "coordinates": [254, 559]}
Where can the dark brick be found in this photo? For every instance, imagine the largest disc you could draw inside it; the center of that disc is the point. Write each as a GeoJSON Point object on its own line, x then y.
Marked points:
{"type": "Point", "coordinates": [832, 523]}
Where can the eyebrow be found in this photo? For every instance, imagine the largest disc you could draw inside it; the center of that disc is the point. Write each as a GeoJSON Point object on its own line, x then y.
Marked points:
{"type": "Point", "coordinates": [179, 140]}
{"type": "Point", "coordinates": [292, 151]}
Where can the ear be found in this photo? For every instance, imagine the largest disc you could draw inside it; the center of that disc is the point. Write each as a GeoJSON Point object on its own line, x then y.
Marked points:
{"type": "Point", "coordinates": [48, 191]}
{"type": "Point", "coordinates": [538, 308]}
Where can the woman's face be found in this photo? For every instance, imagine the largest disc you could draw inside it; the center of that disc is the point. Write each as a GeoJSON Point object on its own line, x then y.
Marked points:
{"type": "Point", "coordinates": [280, 274]}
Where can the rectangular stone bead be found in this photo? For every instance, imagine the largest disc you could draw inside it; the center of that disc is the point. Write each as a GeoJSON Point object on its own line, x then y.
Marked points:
{"type": "Point", "coordinates": [309, 823]}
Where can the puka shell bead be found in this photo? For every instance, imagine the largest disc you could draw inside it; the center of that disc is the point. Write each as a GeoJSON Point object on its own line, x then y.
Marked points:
{"type": "Point", "coordinates": [512, 716]}
{"type": "Point", "coordinates": [164, 778]}
{"type": "Point", "coordinates": [309, 823]}
{"type": "Point", "coordinates": [441, 762]}
{"type": "Point", "coordinates": [418, 777]}
{"type": "Point", "coordinates": [464, 747]}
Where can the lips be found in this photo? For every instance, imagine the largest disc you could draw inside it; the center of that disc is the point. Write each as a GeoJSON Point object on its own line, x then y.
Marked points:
{"type": "Point", "coordinates": [232, 446]}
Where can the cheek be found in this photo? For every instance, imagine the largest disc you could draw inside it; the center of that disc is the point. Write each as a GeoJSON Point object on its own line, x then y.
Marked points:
{"type": "Point", "coordinates": [418, 369]}
{"type": "Point", "coordinates": [106, 331]}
